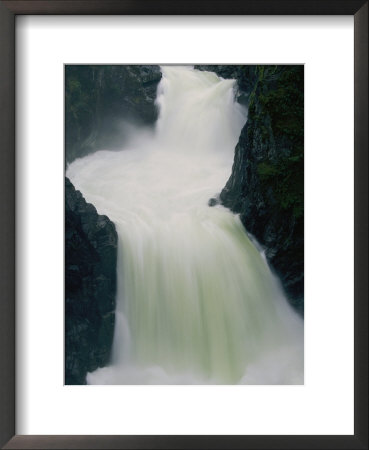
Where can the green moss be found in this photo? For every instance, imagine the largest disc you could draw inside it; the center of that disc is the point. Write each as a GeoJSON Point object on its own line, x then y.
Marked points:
{"type": "Point", "coordinates": [266, 171]}
{"type": "Point", "coordinates": [286, 179]}
{"type": "Point", "coordinates": [278, 100]}
{"type": "Point", "coordinates": [284, 102]}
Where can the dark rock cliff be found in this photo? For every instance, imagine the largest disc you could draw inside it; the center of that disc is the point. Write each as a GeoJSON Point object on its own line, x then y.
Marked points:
{"type": "Point", "coordinates": [100, 103]}
{"type": "Point", "coordinates": [90, 286]}
{"type": "Point", "coordinates": [245, 75]}
{"type": "Point", "coordinates": [101, 100]}
{"type": "Point", "coordinates": [266, 186]}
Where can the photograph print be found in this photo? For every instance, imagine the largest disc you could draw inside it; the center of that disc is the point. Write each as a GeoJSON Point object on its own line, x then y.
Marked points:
{"type": "Point", "coordinates": [184, 224]}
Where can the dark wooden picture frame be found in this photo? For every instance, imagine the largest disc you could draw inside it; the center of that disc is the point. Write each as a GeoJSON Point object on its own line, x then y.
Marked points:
{"type": "Point", "coordinates": [8, 11]}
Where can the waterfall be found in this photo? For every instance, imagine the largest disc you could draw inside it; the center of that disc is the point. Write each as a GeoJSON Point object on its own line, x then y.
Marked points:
{"type": "Point", "coordinates": [196, 301]}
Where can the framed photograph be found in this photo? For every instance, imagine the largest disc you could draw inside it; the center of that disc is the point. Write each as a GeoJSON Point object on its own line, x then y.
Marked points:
{"type": "Point", "coordinates": [184, 225]}
{"type": "Point", "coordinates": [153, 309]}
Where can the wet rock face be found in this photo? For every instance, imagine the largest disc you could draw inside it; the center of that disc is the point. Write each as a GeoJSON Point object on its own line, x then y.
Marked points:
{"type": "Point", "coordinates": [266, 186]}
{"type": "Point", "coordinates": [102, 102]}
{"type": "Point", "coordinates": [90, 286]}
{"type": "Point", "coordinates": [245, 76]}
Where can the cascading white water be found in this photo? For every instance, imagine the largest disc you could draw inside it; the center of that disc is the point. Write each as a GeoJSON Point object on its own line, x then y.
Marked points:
{"type": "Point", "coordinates": [196, 302]}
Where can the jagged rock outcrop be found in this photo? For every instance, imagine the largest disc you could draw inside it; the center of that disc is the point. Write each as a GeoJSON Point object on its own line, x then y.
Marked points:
{"type": "Point", "coordinates": [90, 286]}
{"type": "Point", "coordinates": [101, 101]}
{"type": "Point", "coordinates": [245, 76]}
{"type": "Point", "coordinates": [266, 186]}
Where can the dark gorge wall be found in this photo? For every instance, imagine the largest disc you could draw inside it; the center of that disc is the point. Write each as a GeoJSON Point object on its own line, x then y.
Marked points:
{"type": "Point", "coordinates": [100, 103]}
{"type": "Point", "coordinates": [102, 100]}
{"type": "Point", "coordinates": [90, 286]}
{"type": "Point", "coordinates": [266, 186]}
{"type": "Point", "coordinates": [245, 75]}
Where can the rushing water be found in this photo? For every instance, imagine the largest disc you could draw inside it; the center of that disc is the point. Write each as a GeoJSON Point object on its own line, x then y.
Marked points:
{"type": "Point", "coordinates": [196, 302]}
